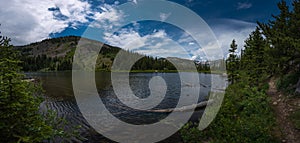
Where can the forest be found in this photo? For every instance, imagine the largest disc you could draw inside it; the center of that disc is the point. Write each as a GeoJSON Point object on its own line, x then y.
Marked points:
{"type": "Point", "coordinates": [248, 113]}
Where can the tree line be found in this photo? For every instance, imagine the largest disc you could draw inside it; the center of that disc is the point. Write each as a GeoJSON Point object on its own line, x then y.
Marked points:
{"type": "Point", "coordinates": [64, 63]}
{"type": "Point", "coordinates": [272, 49]}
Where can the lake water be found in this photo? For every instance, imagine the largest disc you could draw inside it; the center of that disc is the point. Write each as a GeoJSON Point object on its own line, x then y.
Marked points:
{"type": "Point", "coordinates": [60, 97]}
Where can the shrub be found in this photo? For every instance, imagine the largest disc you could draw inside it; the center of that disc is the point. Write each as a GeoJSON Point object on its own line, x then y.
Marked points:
{"type": "Point", "coordinates": [190, 133]}
{"type": "Point", "coordinates": [287, 82]}
{"type": "Point", "coordinates": [245, 116]}
{"type": "Point", "coordinates": [295, 117]}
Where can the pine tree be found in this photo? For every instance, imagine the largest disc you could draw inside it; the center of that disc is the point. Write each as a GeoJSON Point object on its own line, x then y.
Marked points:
{"type": "Point", "coordinates": [254, 58]}
{"type": "Point", "coordinates": [295, 34]}
{"type": "Point", "coordinates": [232, 63]}
{"type": "Point", "coordinates": [278, 34]}
{"type": "Point", "coordinates": [19, 118]}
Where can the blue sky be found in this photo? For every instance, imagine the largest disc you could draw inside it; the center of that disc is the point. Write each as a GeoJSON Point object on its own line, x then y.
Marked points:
{"type": "Point", "coordinates": [30, 21]}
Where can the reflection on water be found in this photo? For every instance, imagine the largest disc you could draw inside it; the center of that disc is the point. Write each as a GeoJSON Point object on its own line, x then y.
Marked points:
{"type": "Point", "coordinates": [60, 97]}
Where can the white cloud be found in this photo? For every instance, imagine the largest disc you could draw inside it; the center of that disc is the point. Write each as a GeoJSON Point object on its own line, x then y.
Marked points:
{"type": "Point", "coordinates": [157, 44]}
{"type": "Point", "coordinates": [30, 20]}
{"type": "Point", "coordinates": [244, 5]}
{"type": "Point", "coordinates": [233, 29]}
{"type": "Point", "coordinates": [134, 1]}
{"type": "Point", "coordinates": [75, 10]}
{"type": "Point", "coordinates": [127, 39]}
{"type": "Point", "coordinates": [130, 39]}
{"type": "Point", "coordinates": [164, 16]}
{"type": "Point", "coordinates": [225, 30]}
{"type": "Point", "coordinates": [185, 38]}
{"type": "Point", "coordinates": [109, 14]}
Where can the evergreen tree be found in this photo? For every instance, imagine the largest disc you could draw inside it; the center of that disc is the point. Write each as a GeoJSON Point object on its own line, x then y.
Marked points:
{"type": "Point", "coordinates": [295, 34]}
{"type": "Point", "coordinates": [232, 63]}
{"type": "Point", "coordinates": [283, 36]}
{"type": "Point", "coordinates": [19, 118]}
{"type": "Point", "coordinates": [254, 58]}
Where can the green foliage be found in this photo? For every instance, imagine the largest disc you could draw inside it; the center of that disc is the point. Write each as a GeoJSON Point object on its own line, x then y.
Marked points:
{"type": "Point", "coordinates": [272, 49]}
{"type": "Point", "coordinates": [190, 133]}
{"type": "Point", "coordinates": [244, 117]}
{"type": "Point", "coordinates": [295, 117]}
{"type": "Point", "coordinates": [254, 58]}
{"type": "Point", "coordinates": [286, 83]}
{"type": "Point", "coordinates": [19, 118]}
{"type": "Point", "coordinates": [282, 34]}
{"type": "Point", "coordinates": [232, 63]}
{"type": "Point", "coordinates": [62, 60]}
{"type": "Point", "coordinates": [63, 131]}
{"type": "Point", "coordinates": [150, 63]}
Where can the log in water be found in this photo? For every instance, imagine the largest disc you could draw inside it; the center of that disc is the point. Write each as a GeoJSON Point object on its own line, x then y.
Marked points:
{"type": "Point", "coordinates": [198, 106]}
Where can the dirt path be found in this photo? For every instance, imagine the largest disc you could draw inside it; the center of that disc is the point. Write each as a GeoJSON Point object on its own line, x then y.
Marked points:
{"type": "Point", "coordinates": [283, 107]}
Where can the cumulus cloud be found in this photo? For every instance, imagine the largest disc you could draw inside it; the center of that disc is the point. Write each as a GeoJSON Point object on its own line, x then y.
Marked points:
{"type": "Point", "coordinates": [157, 44]}
{"type": "Point", "coordinates": [229, 29]}
{"type": "Point", "coordinates": [244, 5]}
{"type": "Point", "coordinates": [108, 18]}
{"type": "Point", "coordinates": [225, 30]}
{"type": "Point", "coordinates": [30, 20]}
{"type": "Point", "coordinates": [134, 1]}
{"type": "Point", "coordinates": [164, 16]}
{"type": "Point", "coordinates": [127, 39]}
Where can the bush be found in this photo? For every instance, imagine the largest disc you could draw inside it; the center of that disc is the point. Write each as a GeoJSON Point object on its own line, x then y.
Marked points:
{"type": "Point", "coordinates": [190, 133]}
{"type": "Point", "coordinates": [295, 117]}
{"type": "Point", "coordinates": [287, 82]}
{"type": "Point", "coordinates": [245, 116]}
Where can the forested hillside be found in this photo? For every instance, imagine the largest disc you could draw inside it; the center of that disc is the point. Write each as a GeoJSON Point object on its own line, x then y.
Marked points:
{"type": "Point", "coordinates": [57, 55]}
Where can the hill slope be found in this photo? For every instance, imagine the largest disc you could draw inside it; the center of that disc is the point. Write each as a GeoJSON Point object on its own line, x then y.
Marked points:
{"type": "Point", "coordinates": [57, 55]}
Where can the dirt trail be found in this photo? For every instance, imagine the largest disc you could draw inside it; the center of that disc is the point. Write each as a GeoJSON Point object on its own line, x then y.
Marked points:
{"type": "Point", "coordinates": [283, 107]}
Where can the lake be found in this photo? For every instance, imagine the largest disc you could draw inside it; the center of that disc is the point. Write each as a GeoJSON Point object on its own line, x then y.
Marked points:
{"type": "Point", "coordinates": [60, 97]}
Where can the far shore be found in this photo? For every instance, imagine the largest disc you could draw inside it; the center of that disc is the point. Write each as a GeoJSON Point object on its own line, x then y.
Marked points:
{"type": "Point", "coordinates": [137, 71]}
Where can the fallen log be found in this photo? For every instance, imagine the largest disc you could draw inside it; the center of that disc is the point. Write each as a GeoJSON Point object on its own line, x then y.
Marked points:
{"type": "Point", "coordinates": [29, 80]}
{"type": "Point", "coordinates": [184, 108]}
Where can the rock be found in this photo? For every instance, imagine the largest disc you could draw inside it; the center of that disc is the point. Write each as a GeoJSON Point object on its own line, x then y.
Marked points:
{"type": "Point", "coordinates": [280, 95]}
{"type": "Point", "coordinates": [284, 141]}
{"type": "Point", "coordinates": [275, 103]}
{"type": "Point", "coordinates": [278, 100]}
{"type": "Point", "coordinates": [291, 110]}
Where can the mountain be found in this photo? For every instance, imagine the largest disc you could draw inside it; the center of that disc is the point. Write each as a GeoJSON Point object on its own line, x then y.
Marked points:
{"type": "Point", "coordinates": [56, 54]}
